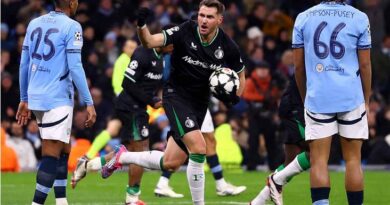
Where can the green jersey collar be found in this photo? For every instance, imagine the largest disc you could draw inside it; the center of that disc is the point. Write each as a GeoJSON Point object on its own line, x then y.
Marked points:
{"type": "Point", "coordinates": [205, 43]}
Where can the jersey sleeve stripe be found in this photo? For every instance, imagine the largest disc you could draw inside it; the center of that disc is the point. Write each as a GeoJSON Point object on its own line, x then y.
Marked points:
{"type": "Point", "coordinates": [243, 67]}
{"type": "Point", "coordinates": [364, 46]}
{"type": "Point", "coordinates": [297, 45]}
{"type": "Point", "coordinates": [73, 50]}
{"type": "Point", "coordinates": [130, 78]}
{"type": "Point", "coordinates": [165, 38]}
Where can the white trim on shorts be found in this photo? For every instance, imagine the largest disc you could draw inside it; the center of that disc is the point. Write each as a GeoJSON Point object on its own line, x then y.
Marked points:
{"type": "Point", "coordinates": [351, 125]}
{"type": "Point", "coordinates": [55, 124]}
{"type": "Point", "coordinates": [207, 125]}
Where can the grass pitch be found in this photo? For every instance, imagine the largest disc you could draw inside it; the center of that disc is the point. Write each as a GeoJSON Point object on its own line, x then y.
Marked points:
{"type": "Point", "coordinates": [18, 189]}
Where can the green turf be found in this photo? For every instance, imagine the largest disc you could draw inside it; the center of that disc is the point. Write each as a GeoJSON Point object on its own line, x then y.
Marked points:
{"type": "Point", "coordinates": [19, 189]}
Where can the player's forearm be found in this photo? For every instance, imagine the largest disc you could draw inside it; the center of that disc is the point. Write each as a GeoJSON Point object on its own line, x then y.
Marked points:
{"type": "Point", "coordinates": [240, 90]}
{"type": "Point", "coordinates": [78, 77]}
{"type": "Point", "coordinates": [148, 40]}
{"type": "Point", "coordinates": [300, 72]}
{"type": "Point", "coordinates": [23, 75]}
{"type": "Point", "coordinates": [365, 73]}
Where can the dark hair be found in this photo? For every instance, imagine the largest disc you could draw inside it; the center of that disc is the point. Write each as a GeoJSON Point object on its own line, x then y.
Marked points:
{"type": "Point", "coordinates": [59, 3]}
{"type": "Point", "coordinates": [213, 3]}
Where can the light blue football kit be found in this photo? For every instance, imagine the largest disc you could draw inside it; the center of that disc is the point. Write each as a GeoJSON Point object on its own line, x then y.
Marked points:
{"type": "Point", "coordinates": [331, 34]}
{"type": "Point", "coordinates": [51, 60]}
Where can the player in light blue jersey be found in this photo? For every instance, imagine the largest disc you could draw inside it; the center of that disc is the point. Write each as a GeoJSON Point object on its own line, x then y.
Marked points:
{"type": "Point", "coordinates": [50, 62]}
{"type": "Point", "coordinates": [332, 44]}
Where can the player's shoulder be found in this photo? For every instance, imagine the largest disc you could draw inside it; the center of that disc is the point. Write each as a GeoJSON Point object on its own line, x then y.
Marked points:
{"type": "Point", "coordinates": [140, 50]}
{"type": "Point", "coordinates": [359, 14]}
{"type": "Point", "coordinates": [226, 40]}
{"type": "Point", "coordinates": [72, 23]}
{"type": "Point", "coordinates": [188, 25]}
{"type": "Point", "coordinates": [305, 14]}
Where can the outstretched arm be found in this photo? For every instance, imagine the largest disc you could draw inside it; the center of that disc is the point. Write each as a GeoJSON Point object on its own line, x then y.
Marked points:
{"type": "Point", "coordinates": [300, 72]}
{"type": "Point", "coordinates": [148, 40]}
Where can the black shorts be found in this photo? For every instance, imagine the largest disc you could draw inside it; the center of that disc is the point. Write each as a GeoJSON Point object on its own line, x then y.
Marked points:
{"type": "Point", "coordinates": [184, 115]}
{"type": "Point", "coordinates": [294, 129]}
{"type": "Point", "coordinates": [135, 125]}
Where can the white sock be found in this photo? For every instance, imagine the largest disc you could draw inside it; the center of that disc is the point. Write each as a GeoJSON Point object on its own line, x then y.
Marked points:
{"type": "Point", "coordinates": [262, 197]}
{"type": "Point", "coordinates": [132, 198]}
{"type": "Point", "coordinates": [163, 182]}
{"type": "Point", "coordinates": [220, 182]}
{"type": "Point", "coordinates": [292, 169]}
{"type": "Point", "coordinates": [61, 201]}
{"type": "Point", "coordinates": [148, 159]}
{"type": "Point", "coordinates": [94, 164]}
{"type": "Point", "coordinates": [33, 203]}
{"type": "Point", "coordinates": [196, 180]}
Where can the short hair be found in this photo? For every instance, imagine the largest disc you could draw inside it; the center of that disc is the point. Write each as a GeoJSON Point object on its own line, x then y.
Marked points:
{"type": "Point", "coordinates": [60, 3]}
{"type": "Point", "coordinates": [213, 3]}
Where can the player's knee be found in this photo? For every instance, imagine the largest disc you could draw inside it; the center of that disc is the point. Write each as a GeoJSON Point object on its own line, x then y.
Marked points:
{"type": "Point", "coordinates": [198, 150]}
{"type": "Point", "coordinates": [114, 127]}
{"type": "Point", "coordinates": [171, 165]}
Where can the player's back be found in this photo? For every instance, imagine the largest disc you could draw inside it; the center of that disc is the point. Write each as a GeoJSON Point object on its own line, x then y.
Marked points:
{"type": "Point", "coordinates": [47, 40]}
{"type": "Point", "coordinates": [331, 33]}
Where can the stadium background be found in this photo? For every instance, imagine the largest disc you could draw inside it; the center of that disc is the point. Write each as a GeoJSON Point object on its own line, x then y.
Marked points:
{"type": "Point", "coordinates": [262, 29]}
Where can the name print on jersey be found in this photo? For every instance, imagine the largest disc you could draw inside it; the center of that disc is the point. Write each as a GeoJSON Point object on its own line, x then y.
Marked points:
{"type": "Point", "coordinates": [189, 60]}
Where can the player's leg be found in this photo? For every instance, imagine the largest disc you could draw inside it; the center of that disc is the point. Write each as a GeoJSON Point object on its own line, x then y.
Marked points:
{"type": "Point", "coordinates": [135, 172]}
{"type": "Point", "coordinates": [353, 128]}
{"type": "Point", "coordinates": [174, 156]}
{"type": "Point", "coordinates": [112, 130]}
{"type": "Point", "coordinates": [62, 176]}
{"type": "Point", "coordinates": [195, 173]}
{"type": "Point", "coordinates": [351, 149]}
{"type": "Point", "coordinates": [94, 164]}
{"type": "Point", "coordinates": [319, 131]}
{"type": "Point", "coordinates": [319, 176]}
{"type": "Point", "coordinates": [54, 126]}
{"type": "Point", "coordinates": [295, 161]}
{"type": "Point", "coordinates": [222, 187]}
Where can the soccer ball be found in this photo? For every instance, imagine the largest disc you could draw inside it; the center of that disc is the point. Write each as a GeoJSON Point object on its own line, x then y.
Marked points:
{"type": "Point", "coordinates": [223, 81]}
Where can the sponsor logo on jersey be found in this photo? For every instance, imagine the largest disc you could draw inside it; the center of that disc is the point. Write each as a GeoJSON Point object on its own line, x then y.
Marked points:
{"type": "Point", "coordinates": [154, 76]}
{"type": "Point", "coordinates": [218, 53]}
{"type": "Point", "coordinates": [189, 123]}
{"type": "Point", "coordinates": [189, 60]}
{"type": "Point", "coordinates": [193, 46]}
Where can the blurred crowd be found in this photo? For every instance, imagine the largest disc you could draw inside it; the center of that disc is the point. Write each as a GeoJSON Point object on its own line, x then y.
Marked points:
{"type": "Point", "coordinates": [262, 29]}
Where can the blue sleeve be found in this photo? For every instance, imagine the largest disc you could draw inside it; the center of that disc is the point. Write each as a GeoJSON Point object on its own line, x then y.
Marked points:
{"type": "Point", "coordinates": [23, 70]}
{"type": "Point", "coordinates": [364, 41]}
{"type": "Point", "coordinates": [297, 37]}
{"type": "Point", "coordinates": [166, 67]}
{"type": "Point", "coordinates": [74, 43]}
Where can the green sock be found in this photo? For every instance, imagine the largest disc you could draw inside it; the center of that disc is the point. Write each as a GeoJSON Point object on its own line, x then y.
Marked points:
{"type": "Point", "coordinates": [102, 160]}
{"type": "Point", "coordinates": [280, 168]}
{"type": "Point", "coordinates": [133, 190]}
{"type": "Point", "coordinates": [303, 161]}
{"type": "Point", "coordinates": [99, 142]}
